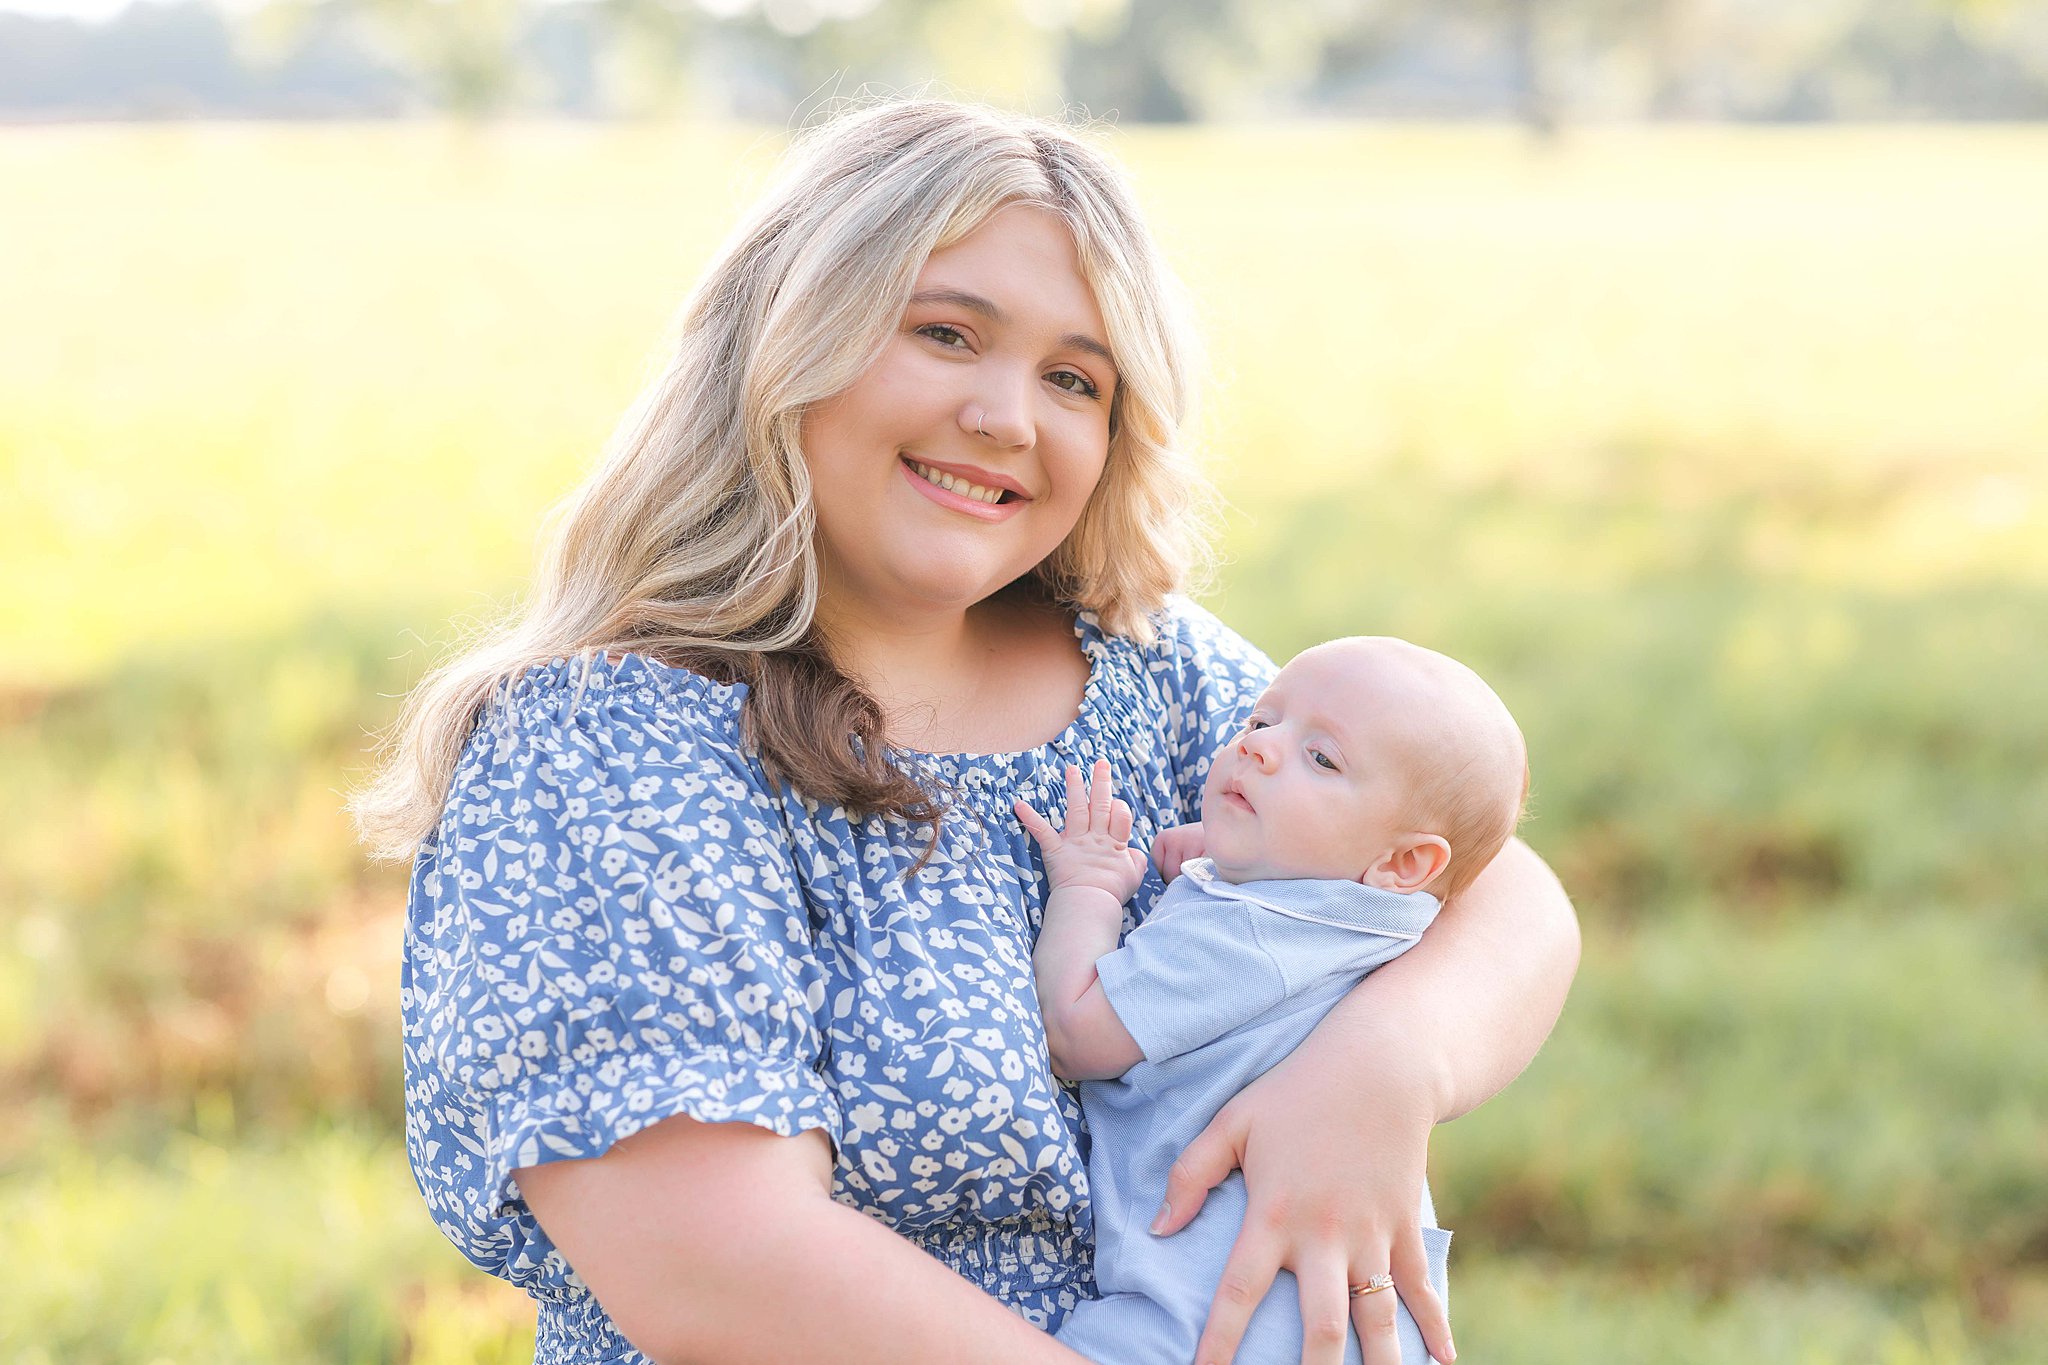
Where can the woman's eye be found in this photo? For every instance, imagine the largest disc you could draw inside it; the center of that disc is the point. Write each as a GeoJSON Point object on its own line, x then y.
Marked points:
{"type": "Point", "coordinates": [1082, 384]}
{"type": "Point", "coordinates": [941, 333]}
{"type": "Point", "coordinates": [1323, 759]}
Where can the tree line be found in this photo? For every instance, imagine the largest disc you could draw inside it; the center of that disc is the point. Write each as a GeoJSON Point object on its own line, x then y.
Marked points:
{"type": "Point", "coordinates": [1543, 61]}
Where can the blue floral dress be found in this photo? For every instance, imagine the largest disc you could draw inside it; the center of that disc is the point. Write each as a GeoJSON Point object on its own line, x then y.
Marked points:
{"type": "Point", "coordinates": [620, 919]}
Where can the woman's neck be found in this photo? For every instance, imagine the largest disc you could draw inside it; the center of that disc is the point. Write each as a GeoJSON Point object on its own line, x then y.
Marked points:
{"type": "Point", "coordinates": [895, 654]}
{"type": "Point", "coordinates": [934, 673]}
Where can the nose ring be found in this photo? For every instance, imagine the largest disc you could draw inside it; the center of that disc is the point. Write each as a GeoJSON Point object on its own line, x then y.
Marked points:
{"type": "Point", "coordinates": [981, 417]}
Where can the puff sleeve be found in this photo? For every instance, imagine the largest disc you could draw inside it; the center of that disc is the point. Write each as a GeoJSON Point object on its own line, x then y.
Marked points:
{"type": "Point", "coordinates": [607, 931]}
{"type": "Point", "coordinates": [1212, 679]}
{"type": "Point", "coordinates": [1188, 976]}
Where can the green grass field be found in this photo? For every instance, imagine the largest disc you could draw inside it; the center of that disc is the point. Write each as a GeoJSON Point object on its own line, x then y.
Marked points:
{"type": "Point", "coordinates": [1723, 453]}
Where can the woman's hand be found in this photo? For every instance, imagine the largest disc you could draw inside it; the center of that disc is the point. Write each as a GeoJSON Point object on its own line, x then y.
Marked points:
{"type": "Point", "coordinates": [1334, 1176]}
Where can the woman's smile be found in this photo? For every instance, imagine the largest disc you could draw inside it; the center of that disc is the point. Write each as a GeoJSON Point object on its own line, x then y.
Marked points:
{"type": "Point", "coordinates": [987, 501]}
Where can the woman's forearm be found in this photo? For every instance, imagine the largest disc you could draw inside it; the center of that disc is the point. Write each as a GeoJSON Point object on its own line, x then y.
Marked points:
{"type": "Point", "coordinates": [1474, 1000]}
{"type": "Point", "coordinates": [818, 1280]}
{"type": "Point", "coordinates": [721, 1243]}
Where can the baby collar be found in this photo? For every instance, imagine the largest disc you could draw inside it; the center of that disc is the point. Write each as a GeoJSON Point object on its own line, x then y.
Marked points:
{"type": "Point", "coordinates": [1332, 901]}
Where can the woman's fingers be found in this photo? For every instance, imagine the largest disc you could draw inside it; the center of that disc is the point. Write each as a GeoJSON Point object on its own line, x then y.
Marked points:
{"type": "Point", "coordinates": [1325, 1311]}
{"type": "Point", "coordinates": [1411, 1280]}
{"type": "Point", "coordinates": [1247, 1275]}
{"type": "Point", "coordinates": [1215, 1153]}
{"type": "Point", "coordinates": [1379, 1338]}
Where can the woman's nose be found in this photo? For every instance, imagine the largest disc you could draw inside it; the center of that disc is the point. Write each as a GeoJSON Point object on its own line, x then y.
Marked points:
{"type": "Point", "coordinates": [994, 423]}
{"type": "Point", "coordinates": [999, 416]}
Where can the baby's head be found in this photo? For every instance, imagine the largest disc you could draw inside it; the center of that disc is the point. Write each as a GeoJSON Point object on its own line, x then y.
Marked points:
{"type": "Point", "coordinates": [1369, 760]}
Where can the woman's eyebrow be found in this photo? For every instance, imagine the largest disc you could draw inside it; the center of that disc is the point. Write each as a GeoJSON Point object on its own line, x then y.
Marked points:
{"type": "Point", "coordinates": [960, 298]}
{"type": "Point", "coordinates": [975, 303]}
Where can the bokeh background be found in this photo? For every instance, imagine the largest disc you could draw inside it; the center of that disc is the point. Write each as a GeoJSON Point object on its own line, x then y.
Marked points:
{"type": "Point", "coordinates": [1683, 366]}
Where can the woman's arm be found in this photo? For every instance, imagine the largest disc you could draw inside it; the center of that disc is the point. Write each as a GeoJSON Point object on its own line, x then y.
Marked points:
{"type": "Point", "coordinates": [1333, 1141]}
{"type": "Point", "coordinates": [1482, 990]}
{"type": "Point", "coordinates": [721, 1242]}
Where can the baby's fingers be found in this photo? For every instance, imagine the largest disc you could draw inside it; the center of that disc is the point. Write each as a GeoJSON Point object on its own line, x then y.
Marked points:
{"type": "Point", "coordinates": [1037, 825]}
{"type": "Point", "coordinates": [1120, 821]}
{"type": "Point", "coordinates": [1101, 792]}
{"type": "Point", "coordinates": [1077, 801]}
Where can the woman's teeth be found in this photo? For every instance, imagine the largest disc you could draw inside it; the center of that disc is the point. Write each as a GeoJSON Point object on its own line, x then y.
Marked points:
{"type": "Point", "coordinates": [953, 485]}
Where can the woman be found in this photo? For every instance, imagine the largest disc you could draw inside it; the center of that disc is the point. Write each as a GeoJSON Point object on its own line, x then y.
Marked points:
{"type": "Point", "coordinates": [721, 927]}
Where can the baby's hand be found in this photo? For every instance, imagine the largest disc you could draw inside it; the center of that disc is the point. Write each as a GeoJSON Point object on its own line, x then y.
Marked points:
{"type": "Point", "coordinates": [1172, 847]}
{"type": "Point", "coordinates": [1095, 847]}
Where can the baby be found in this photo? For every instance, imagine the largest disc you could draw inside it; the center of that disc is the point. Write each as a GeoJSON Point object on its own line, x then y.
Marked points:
{"type": "Point", "coordinates": [1372, 782]}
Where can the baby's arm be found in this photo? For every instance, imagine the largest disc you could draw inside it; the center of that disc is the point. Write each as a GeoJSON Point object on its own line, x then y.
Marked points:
{"type": "Point", "coordinates": [1093, 870]}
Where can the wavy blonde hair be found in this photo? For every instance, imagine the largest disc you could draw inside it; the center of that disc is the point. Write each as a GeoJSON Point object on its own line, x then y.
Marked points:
{"type": "Point", "coordinates": [691, 541]}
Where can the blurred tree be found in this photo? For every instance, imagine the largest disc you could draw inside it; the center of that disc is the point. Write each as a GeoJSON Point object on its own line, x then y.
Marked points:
{"type": "Point", "coordinates": [467, 50]}
{"type": "Point", "coordinates": [1170, 61]}
{"type": "Point", "coordinates": [647, 47]}
{"type": "Point", "coordinates": [1543, 61]}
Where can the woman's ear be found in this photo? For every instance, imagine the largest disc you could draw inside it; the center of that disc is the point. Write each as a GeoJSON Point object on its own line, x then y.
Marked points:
{"type": "Point", "coordinates": [1413, 863]}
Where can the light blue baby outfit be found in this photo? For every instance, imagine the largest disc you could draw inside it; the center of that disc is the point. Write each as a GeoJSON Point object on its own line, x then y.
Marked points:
{"type": "Point", "coordinates": [1217, 985]}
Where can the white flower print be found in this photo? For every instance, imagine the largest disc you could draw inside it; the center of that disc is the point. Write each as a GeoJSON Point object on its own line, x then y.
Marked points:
{"type": "Point", "coordinates": [661, 930]}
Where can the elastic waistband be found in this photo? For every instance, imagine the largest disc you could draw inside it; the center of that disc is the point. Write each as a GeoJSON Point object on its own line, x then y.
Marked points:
{"type": "Point", "coordinates": [576, 1331]}
{"type": "Point", "coordinates": [1010, 1256]}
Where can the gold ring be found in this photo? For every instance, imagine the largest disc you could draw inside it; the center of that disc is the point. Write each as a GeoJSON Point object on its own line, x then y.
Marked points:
{"type": "Point", "coordinates": [1372, 1286]}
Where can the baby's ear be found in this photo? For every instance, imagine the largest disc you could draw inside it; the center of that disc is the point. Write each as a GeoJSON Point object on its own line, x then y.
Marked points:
{"type": "Point", "coordinates": [1412, 864]}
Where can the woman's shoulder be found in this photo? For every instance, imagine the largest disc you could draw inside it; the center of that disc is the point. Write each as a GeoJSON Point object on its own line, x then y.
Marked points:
{"type": "Point", "coordinates": [620, 709]}
{"type": "Point", "coordinates": [1190, 640]}
{"type": "Point", "coordinates": [590, 746]}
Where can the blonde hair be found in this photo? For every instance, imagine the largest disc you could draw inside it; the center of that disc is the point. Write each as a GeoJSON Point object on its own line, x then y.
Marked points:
{"type": "Point", "coordinates": [691, 541]}
{"type": "Point", "coordinates": [1472, 778]}
{"type": "Point", "coordinates": [1475, 815]}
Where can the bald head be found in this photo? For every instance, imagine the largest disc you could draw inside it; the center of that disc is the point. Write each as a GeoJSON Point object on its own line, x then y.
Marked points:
{"type": "Point", "coordinates": [1462, 755]}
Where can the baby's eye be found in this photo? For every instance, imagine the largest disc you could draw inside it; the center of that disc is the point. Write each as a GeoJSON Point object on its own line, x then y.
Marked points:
{"type": "Point", "coordinates": [951, 335]}
{"type": "Point", "coordinates": [1255, 724]}
{"type": "Point", "coordinates": [1323, 759]}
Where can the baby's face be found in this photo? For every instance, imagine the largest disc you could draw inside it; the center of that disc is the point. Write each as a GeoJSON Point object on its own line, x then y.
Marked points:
{"type": "Point", "coordinates": [1316, 784]}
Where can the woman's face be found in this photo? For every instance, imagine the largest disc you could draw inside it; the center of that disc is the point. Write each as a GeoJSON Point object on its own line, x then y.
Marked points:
{"type": "Point", "coordinates": [965, 454]}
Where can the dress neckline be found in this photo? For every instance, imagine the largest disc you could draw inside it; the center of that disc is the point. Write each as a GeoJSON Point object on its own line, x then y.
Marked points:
{"type": "Point", "coordinates": [1087, 629]}
{"type": "Point", "coordinates": [1095, 647]}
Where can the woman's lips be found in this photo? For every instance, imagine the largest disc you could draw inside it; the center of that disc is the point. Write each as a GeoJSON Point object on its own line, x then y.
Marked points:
{"type": "Point", "coordinates": [984, 511]}
{"type": "Point", "coordinates": [974, 474]}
